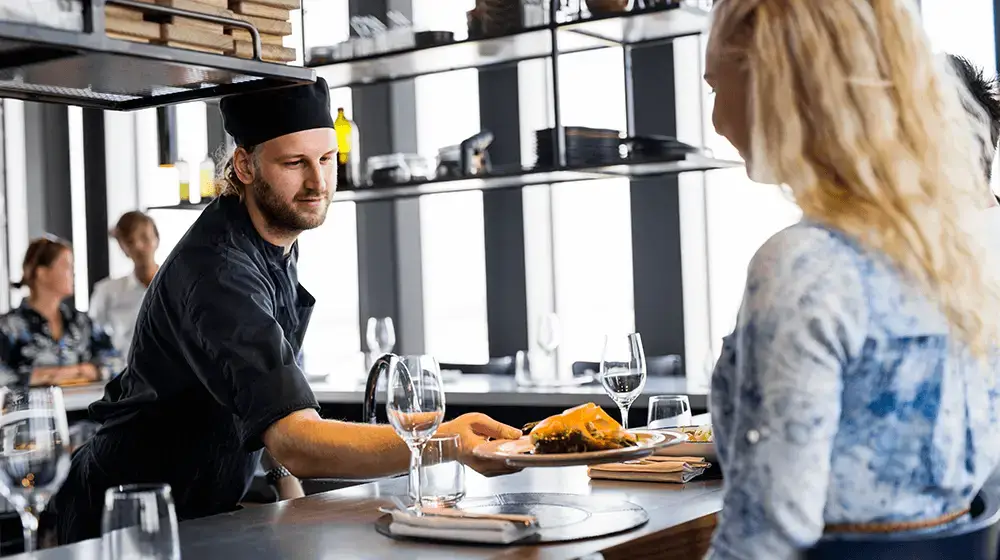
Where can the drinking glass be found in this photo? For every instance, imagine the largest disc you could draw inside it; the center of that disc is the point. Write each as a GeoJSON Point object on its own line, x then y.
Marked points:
{"type": "Point", "coordinates": [669, 411]}
{"type": "Point", "coordinates": [415, 407]}
{"type": "Point", "coordinates": [34, 452]}
{"type": "Point", "coordinates": [549, 333]}
{"type": "Point", "coordinates": [623, 370]}
{"type": "Point", "coordinates": [381, 335]}
{"type": "Point", "coordinates": [139, 522]}
{"type": "Point", "coordinates": [442, 476]}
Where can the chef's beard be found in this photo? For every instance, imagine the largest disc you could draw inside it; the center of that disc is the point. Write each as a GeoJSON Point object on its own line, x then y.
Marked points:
{"type": "Point", "coordinates": [282, 215]}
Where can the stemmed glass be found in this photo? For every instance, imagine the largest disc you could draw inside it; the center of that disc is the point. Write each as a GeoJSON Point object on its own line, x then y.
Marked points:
{"type": "Point", "coordinates": [415, 407]}
{"type": "Point", "coordinates": [381, 335]}
{"type": "Point", "coordinates": [549, 333]}
{"type": "Point", "coordinates": [623, 371]}
{"type": "Point", "coordinates": [34, 452]}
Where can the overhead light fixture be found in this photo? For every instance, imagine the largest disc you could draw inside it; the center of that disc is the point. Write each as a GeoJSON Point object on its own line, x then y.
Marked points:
{"type": "Point", "coordinates": [166, 135]}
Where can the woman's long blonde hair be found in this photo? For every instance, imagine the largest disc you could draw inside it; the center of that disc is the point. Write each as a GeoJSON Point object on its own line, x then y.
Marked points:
{"type": "Point", "coordinates": [851, 110]}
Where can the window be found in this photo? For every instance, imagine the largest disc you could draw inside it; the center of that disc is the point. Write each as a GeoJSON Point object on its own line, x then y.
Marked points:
{"type": "Point", "coordinates": [591, 221]}
{"type": "Point", "coordinates": [453, 249]}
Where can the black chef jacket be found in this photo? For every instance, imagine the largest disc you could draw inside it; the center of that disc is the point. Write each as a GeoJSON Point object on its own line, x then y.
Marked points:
{"type": "Point", "coordinates": [211, 367]}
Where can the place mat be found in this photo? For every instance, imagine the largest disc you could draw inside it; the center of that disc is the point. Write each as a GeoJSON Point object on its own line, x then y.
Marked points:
{"type": "Point", "coordinates": [561, 517]}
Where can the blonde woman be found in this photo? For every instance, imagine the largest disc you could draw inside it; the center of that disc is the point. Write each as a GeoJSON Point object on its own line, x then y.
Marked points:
{"type": "Point", "coordinates": [856, 392]}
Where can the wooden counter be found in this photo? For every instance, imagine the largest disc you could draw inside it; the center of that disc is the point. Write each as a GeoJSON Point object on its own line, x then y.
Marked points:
{"type": "Point", "coordinates": [339, 524]}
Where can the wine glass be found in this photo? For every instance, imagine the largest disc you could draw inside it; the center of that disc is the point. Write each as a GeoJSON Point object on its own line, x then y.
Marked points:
{"type": "Point", "coordinates": [549, 333]}
{"type": "Point", "coordinates": [381, 335]}
{"type": "Point", "coordinates": [623, 371]}
{"type": "Point", "coordinates": [34, 452]}
{"type": "Point", "coordinates": [139, 521]}
{"type": "Point", "coordinates": [415, 407]}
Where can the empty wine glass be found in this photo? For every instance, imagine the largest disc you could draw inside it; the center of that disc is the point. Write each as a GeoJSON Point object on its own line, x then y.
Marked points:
{"type": "Point", "coordinates": [549, 333]}
{"type": "Point", "coordinates": [139, 521]}
{"type": "Point", "coordinates": [415, 407]}
{"type": "Point", "coordinates": [623, 370]}
{"type": "Point", "coordinates": [381, 335]}
{"type": "Point", "coordinates": [34, 452]}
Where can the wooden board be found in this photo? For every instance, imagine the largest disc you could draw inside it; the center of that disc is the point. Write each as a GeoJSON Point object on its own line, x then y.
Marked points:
{"type": "Point", "coordinates": [268, 26]}
{"type": "Point", "coordinates": [286, 4]}
{"type": "Point", "coordinates": [189, 47]}
{"type": "Point", "coordinates": [260, 10]}
{"type": "Point", "coordinates": [118, 12]}
{"type": "Point", "coordinates": [182, 34]}
{"type": "Point", "coordinates": [244, 35]}
{"type": "Point", "coordinates": [270, 53]}
{"type": "Point", "coordinates": [200, 7]}
{"type": "Point", "coordinates": [132, 28]}
{"type": "Point", "coordinates": [203, 25]}
{"type": "Point", "coordinates": [215, 3]}
{"type": "Point", "coordinates": [113, 35]}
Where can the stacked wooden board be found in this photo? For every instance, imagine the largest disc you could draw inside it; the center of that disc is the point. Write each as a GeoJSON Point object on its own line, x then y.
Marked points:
{"type": "Point", "coordinates": [272, 18]}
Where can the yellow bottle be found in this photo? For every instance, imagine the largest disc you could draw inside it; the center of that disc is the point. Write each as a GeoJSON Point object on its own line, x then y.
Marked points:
{"type": "Point", "coordinates": [206, 177]}
{"type": "Point", "coordinates": [342, 127]}
{"type": "Point", "coordinates": [184, 176]}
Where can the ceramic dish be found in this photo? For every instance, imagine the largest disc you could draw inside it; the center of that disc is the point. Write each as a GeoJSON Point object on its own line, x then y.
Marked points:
{"type": "Point", "coordinates": [520, 452]}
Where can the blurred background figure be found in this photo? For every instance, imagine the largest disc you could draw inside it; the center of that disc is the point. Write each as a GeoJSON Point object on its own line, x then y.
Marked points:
{"type": "Point", "coordinates": [115, 302]}
{"type": "Point", "coordinates": [45, 341]}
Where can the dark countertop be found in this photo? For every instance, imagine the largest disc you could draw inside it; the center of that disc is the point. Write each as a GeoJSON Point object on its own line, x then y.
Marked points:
{"type": "Point", "coordinates": [474, 390]}
{"type": "Point", "coordinates": [339, 524]}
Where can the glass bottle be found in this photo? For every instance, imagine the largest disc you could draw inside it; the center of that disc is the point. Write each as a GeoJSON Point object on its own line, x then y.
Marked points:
{"type": "Point", "coordinates": [184, 177]}
{"type": "Point", "coordinates": [343, 128]}
{"type": "Point", "coordinates": [206, 177]}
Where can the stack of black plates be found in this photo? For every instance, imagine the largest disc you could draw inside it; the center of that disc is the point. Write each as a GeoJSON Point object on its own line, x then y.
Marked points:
{"type": "Point", "coordinates": [584, 146]}
{"type": "Point", "coordinates": [657, 148]}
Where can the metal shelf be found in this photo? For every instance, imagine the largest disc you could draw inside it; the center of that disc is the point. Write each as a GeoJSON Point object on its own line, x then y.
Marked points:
{"type": "Point", "coordinates": [472, 53]}
{"type": "Point", "coordinates": [91, 70]}
{"type": "Point", "coordinates": [657, 24]}
{"type": "Point", "coordinates": [516, 179]}
{"type": "Point", "coordinates": [638, 27]}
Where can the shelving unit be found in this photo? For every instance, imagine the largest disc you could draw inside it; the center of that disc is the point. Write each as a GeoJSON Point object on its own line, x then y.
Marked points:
{"type": "Point", "coordinates": [628, 28]}
{"type": "Point", "coordinates": [89, 69]}
{"type": "Point", "coordinates": [512, 180]}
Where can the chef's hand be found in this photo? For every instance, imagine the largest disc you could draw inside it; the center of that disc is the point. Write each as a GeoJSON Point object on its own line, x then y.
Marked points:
{"type": "Point", "coordinates": [472, 430]}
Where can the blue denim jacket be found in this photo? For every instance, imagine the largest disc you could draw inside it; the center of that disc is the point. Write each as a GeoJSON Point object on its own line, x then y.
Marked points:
{"type": "Point", "coordinates": [840, 397]}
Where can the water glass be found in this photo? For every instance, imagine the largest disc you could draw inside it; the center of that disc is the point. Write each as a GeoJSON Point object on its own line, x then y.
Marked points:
{"type": "Point", "coordinates": [442, 476]}
{"type": "Point", "coordinates": [623, 371]}
{"type": "Point", "coordinates": [415, 407]}
{"type": "Point", "coordinates": [139, 522]}
{"type": "Point", "coordinates": [34, 452]}
{"type": "Point", "coordinates": [669, 411]}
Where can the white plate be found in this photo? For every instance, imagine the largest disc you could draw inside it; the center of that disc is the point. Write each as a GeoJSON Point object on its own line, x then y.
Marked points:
{"type": "Point", "coordinates": [704, 449]}
{"type": "Point", "coordinates": [519, 452]}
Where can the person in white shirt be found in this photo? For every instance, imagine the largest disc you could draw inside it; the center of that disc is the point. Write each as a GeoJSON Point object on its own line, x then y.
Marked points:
{"type": "Point", "coordinates": [115, 302]}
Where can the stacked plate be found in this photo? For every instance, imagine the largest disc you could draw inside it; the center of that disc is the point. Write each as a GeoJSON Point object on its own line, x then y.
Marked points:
{"type": "Point", "coordinates": [584, 146]}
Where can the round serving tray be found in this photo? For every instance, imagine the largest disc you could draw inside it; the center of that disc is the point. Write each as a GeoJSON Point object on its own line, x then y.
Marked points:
{"type": "Point", "coordinates": [561, 517]}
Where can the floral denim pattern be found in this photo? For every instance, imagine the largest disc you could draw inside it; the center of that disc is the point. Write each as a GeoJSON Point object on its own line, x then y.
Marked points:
{"type": "Point", "coordinates": [840, 397]}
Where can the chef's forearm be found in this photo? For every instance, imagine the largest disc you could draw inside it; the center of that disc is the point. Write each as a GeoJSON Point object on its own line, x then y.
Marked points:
{"type": "Point", "coordinates": [310, 447]}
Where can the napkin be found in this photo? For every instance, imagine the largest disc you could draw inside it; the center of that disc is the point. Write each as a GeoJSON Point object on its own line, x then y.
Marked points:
{"type": "Point", "coordinates": [457, 525]}
{"type": "Point", "coordinates": [652, 469]}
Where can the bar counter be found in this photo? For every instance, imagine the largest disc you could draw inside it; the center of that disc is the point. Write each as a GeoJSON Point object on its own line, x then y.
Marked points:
{"type": "Point", "coordinates": [339, 524]}
{"type": "Point", "coordinates": [468, 390]}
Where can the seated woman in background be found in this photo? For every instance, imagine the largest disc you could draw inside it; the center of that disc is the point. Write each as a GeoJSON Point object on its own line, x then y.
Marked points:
{"type": "Point", "coordinates": [115, 302]}
{"type": "Point", "coordinates": [45, 341]}
{"type": "Point", "coordinates": [858, 391]}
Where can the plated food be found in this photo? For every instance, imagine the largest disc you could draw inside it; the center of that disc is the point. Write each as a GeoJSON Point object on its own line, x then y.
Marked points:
{"type": "Point", "coordinates": [700, 443]}
{"type": "Point", "coordinates": [583, 435]}
{"type": "Point", "coordinates": [577, 430]}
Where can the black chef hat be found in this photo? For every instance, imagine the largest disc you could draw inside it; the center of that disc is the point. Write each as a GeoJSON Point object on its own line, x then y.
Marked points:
{"type": "Point", "coordinates": [255, 118]}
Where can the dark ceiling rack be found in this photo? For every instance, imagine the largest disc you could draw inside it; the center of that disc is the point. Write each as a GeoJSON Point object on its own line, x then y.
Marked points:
{"type": "Point", "coordinates": [89, 69]}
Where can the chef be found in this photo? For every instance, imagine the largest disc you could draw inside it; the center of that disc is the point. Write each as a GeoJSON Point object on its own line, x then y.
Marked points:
{"type": "Point", "coordinates": [212, 378]}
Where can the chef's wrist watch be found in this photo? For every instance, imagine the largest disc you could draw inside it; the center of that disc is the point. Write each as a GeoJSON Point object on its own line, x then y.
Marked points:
{"type": "Point", "coordinates": [276, 474]}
